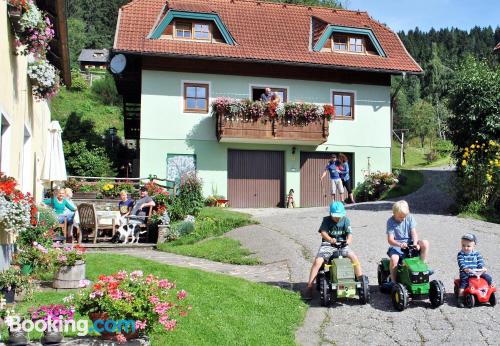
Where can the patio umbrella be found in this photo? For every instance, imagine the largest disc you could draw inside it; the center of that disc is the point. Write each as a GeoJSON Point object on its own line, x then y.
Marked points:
{"type": "Point", "coordinates": [54, 166]}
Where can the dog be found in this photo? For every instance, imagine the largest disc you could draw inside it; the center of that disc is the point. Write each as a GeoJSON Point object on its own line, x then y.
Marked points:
{"type": "Point", "coordinates": [125, 231]}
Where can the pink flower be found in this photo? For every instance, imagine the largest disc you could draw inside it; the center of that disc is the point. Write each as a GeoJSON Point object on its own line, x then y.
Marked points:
{"type": "Point", "coordinates": [154, 299]}
{"type": "Point", "coordinates": [161, 308]}
{"type": "Point", "coordinates": [163, 283]}
{"type": "Point", "coordinates": [116, 294]}
{"type": "Point", "coordinates": [181, 295]}
{"type": "Point", "coordinates": [170, 325]}
{"type": "Point", "coordinates": [62, 258]}
{"type": "Point", "coordinates": [121, 339]}
{"type": "Point", "coordinates": [140, 324]}
{"type": "Point", "coordinates": [164, 319]}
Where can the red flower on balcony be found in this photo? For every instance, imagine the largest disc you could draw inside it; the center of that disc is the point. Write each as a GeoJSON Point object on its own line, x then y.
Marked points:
{"type": "Point", "coordinates": [328, 112]}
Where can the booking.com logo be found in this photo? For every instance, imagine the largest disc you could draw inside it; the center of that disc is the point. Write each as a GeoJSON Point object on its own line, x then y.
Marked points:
{"type": "Point", "coordinates": [80, 327]}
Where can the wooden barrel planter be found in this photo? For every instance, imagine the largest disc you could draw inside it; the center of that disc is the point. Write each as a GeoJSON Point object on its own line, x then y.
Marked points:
{"type": "Point", "coordinates": [69, 276]}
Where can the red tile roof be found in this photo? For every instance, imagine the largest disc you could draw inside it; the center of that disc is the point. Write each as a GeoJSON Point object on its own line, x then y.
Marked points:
{"type": "Point", "coordinates": [263, 31]}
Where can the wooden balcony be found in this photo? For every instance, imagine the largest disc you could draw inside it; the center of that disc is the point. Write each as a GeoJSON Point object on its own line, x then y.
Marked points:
{"type": "Point", "coordinates": [274, 132]}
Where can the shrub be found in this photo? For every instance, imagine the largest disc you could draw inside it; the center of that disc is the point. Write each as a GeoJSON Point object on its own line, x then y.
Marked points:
{"type": "Point", "coordinates": [190, 200]}
{"type": "Point", "coordinates": [478, 178]}
{"type": "Point", "coordinates": [443, 147]}
{"type": "Point", "coordinates": [84, 162]}
{"type": "Point", "coordinates": [374, 186]}
{"type": "Point", "coordinates": [78, 82]}
{"type": "Point", "coordinates": [41, 232]}
{"type": "Point", "coordinates": [105, 89]}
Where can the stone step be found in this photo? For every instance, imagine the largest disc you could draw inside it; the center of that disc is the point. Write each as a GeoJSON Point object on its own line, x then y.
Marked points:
{"type": "Point", "coordinates": [98, 247]}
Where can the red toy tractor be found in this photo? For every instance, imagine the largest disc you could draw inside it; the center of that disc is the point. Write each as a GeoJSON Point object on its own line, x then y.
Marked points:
{"type": "Point", "coordinates": [478, 291]}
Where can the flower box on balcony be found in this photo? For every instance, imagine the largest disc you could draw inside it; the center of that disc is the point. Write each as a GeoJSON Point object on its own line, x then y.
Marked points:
{"type": "Point", "coordinates": [14, 13]}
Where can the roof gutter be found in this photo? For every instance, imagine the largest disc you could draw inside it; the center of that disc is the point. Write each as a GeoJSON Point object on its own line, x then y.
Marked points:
{"type": "Point", "coordinates": [261, 61]}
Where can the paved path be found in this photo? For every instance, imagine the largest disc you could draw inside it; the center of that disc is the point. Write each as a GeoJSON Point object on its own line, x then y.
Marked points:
{"type": "Point", "coordinates": [287, 240]}
{"type": "Point", "coordinates": [294, 231]}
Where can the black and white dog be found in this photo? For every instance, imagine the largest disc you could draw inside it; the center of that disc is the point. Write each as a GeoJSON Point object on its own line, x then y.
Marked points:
{"type": "Point", "coordinates": [125, 231]}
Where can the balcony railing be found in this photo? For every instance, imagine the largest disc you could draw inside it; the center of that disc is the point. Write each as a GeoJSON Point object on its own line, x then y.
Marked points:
{"type": "Point", "coordinates": [271, 131]}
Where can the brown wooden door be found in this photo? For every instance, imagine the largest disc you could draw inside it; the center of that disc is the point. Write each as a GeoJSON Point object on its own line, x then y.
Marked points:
{"type": "Point", "coordinates": [256, 179]}
{"type": "Point", "coordinates": [313, 193]}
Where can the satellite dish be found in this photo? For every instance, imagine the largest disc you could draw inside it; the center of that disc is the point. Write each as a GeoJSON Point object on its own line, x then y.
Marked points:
{"type": "Point", "coordinates": [118, 63]}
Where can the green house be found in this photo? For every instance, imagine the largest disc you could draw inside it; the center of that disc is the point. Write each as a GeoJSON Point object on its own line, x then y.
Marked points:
{"type": "Point", "coordinates": [173, 59]}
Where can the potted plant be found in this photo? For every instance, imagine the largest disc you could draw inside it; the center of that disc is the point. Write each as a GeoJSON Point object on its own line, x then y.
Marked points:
{"type": "Point", "coordinates": [44, 78]}
{"type": "Point", "coordinates": [68, 263]}
{"type": "Point", "coordinates": [29, 258]}
{"type": "Point", "coordinates": [8, 316]}
{"type": "Point", "coordinates": [11, 281]}
{"type": "Point", "coordinates": [54, 316]}
{"type": "Point", "coordinates": [149, 301]}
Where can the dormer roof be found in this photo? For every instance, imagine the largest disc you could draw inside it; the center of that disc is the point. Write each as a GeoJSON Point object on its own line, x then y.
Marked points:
{"type": "Point", "coordinates": [262, 31]}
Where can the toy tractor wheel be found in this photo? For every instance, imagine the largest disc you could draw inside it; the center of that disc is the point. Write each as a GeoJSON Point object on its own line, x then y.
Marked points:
{"type": "Point", "coordinates": [382, 278]}
{"type": "Point", "coordinates": [324, 292]}
{"type": "Point", "coordinates": [436, 293]}
{"type": "Point", "coordinates": [364, 290]}
{"type": "Point", "coordinates": [399, 296]}
{"type": "Point", "coordinates": [470, 301]}
{"type": "Point", "coordinates": [493, 299]}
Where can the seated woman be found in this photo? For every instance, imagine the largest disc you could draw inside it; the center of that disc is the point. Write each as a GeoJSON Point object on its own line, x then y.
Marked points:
{"type": "Point", "coordinates": [59, 204]}
{"type": "Point", "coordinates": [68, 193]}
{"type": "Point", "coordinates": [125, 206]}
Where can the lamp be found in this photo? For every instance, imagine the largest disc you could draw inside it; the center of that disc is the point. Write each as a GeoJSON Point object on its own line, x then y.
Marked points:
{"type": "Point", "coordinates": [112, 132]}
{"type": "Point", "coordinates": [293, 150]}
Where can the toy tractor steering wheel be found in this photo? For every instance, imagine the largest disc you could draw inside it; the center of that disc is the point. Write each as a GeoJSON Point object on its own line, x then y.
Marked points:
{"type": "Point", "coordinates": [411, 251]}
{"type": "Point", "coordinates": [340, 244]}
{"type": "Point", "coordinates": [476, 272]}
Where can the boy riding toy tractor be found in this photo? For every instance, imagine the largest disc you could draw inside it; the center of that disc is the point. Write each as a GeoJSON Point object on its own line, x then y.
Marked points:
{"type": "Point", "coordinates": [412, 280]}
{"type": "Point", "coordinates": [336, 279]}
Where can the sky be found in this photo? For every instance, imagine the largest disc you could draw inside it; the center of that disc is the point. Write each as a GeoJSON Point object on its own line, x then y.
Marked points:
{"type": "Point", "coordinates": [407, 14]}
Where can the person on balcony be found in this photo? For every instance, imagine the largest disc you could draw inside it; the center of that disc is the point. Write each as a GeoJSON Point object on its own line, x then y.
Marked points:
{"type": "Point", "coordinates": [266, 96]}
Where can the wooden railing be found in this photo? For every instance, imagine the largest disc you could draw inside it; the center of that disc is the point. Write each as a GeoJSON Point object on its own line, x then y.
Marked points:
{"type": "Point", "coordinates": [270, 131]}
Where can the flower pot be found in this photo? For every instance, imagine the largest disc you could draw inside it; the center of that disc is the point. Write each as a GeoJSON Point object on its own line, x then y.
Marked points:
{"type": "Point", "coordinates": [9, 294]}
{"type": "Point", "coordinates": [26, 269]}
{"type": "Point", "coordinates": [107, 335]}
{"type": "Point", "coordinates": [17, 338]}
{"type": "Point", "coordinates": [69, 276]}
{"type": "Point", "coordinates": [51, 337]}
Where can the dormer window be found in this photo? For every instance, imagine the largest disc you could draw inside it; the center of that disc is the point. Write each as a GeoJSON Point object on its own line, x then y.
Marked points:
{"type": "Point", "coordinates": [356, 45]}
{"type": "Point", "coordinates": [202, 31]}
{"type": "Point", "coordinates": [183, 30]}
{"type": "Point", "coordinates": [348, 44]}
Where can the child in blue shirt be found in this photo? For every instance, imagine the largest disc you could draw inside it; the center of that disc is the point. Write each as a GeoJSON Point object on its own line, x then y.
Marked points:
{"type": "Point", "coordinates": [401, 232]}
{"type": "Point", "coordinates": [469, 260]}
{"type": "Point", "coordinates": [333, 169]}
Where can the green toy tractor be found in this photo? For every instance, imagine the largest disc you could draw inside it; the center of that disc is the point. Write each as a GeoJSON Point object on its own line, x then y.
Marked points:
{"type": "Point", "coordinates": [336, 279]}
{"type": "Point", "coordinates": [412, 281]}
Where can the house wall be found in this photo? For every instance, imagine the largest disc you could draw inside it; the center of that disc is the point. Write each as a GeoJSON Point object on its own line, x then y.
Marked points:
{"type": "Point", "coordinates": [166, 129]}
{"type": "Point", "coordinates": [23, 119]}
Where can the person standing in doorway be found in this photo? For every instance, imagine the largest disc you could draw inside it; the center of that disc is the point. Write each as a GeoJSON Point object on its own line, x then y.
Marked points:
{"type": "Point", "coordinates": [333, 169]}
{"type": "Point", "coordinates": [266, 96]}
{"type": "Point", "coordinates": [344, 175]}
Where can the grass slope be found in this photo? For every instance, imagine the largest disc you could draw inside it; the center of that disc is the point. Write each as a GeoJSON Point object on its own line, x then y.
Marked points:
{"type": "Point", "coordinates": [226, 310]}
{"type": "Point", "coordinates": [414, 156]}
{"type": "Point", "coordinates": [411, 181]}
{"type": "Point", "coordinates": [88, 107]}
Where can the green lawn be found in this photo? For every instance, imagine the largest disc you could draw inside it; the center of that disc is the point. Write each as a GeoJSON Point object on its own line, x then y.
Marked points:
{"type": "Point", "coordinates": [414, 156]}
{"type": "Point", "coordinates": [410, 181]}
{"type": "Point", "coordinates": [206, 240]}
{"type": "Point", "coordinates": [226, 310]}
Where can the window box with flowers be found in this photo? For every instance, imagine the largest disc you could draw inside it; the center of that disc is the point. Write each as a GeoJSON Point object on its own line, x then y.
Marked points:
{"type": "Point", "coordinates": [153, 303]}
{"type": "Point", "coordinates": [302, 122]}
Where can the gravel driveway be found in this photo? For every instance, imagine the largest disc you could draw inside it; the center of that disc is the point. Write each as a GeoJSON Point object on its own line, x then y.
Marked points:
{"type": "Point", "coordinates": [291, 235]}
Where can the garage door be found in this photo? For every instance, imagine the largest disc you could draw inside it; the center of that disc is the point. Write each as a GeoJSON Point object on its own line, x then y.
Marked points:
{"type": "Point", "coordinates": [256, 179]}
{"type": "Point", "coordinates": [313, 193]}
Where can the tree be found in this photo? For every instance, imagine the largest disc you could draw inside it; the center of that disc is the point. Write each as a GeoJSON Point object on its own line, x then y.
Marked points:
{"type": "Point", "coordinates": [475, 104]}
{"type": "Point", "coordinates": [77, 40]}
{"type": "Point", "coordinates": [423, 121]}
{"type": "Point", "coordinates": [89, 163]}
